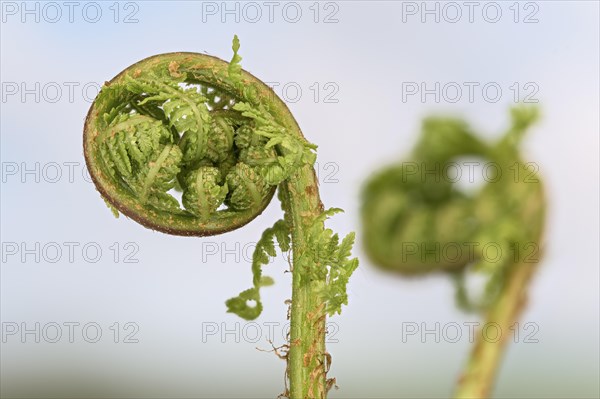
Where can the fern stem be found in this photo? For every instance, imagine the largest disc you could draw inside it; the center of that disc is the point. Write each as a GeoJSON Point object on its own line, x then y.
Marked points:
{"type": "Point", "coordinates": [484, 361]}
{"type": "Point", "coordinates": [306, 357]}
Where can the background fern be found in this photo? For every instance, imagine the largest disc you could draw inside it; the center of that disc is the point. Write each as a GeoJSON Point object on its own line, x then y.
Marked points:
{"type": "Point", "coordinates": [415, 203]}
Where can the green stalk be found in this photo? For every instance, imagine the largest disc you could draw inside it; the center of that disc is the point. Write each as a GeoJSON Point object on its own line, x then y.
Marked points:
{"type": "Point", "coordinates": [306, 357]}
{"type": "Point", "coordinates": [484, 361]}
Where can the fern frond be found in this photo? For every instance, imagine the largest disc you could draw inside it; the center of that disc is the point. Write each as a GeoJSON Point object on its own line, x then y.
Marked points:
{"type": "Point", "coordinates": [264, 251]}
{"type": "Point", "coordinates": [246, 187]}
{"type": "Point", "coordinates": [295, 151]}
{"type": "Point", "coordinates": [157, 177]}
{"type": "Point", "coordinates": [208, 129]}
{"type": "Point", "coordinates": [185, 110]}
{"type": "Point", "coordinates": [130, 140]}
{"type": "Point", "coordinates": [245, 137]}
{"type": "Point", "coordinates": [219, 145]}
{"type": "Point", "coordinates": [235, 68]}
{"type": "Point", "coordinates": [203, 193]}
{"type": "Point", "coordinates": [330, 260]}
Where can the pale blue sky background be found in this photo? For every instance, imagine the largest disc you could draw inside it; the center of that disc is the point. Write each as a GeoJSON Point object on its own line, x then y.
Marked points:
{"type": "Point", "coordinates": [171, 292]}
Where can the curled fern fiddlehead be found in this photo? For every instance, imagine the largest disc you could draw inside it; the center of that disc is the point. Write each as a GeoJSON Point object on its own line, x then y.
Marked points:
{"type": "Point", "coordinates": [416, 220]}
{"type": "Point", "coordinates": [196, 124]}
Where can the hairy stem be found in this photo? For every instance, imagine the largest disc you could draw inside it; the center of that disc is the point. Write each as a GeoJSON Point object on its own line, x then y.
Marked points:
{"type": "Point", "coordinates": [306, 358]}
{"type": "Point", "coordinates": [478, 378]}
